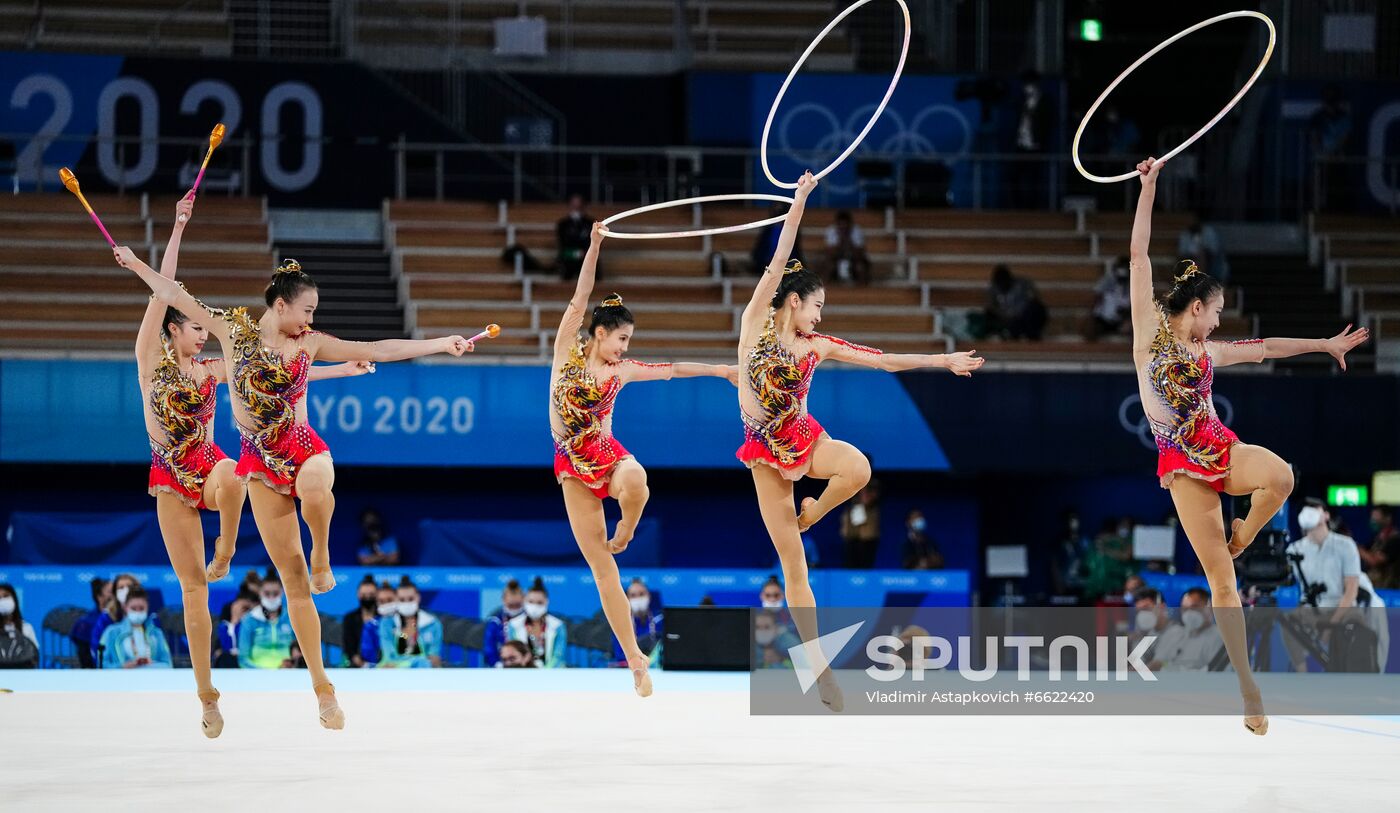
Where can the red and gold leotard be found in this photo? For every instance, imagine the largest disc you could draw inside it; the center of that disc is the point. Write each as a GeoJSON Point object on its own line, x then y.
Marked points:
{"type": "Point", "coordinates": [584, 446]}
{"type": "Point", "coordinates": [1191, 439]}
{"type": "Point", "coordinates": [785, 433]}
{"type": "Point", "coordinates": [267, 390]}
{"type": "Point", "coordinates": [185, 409]}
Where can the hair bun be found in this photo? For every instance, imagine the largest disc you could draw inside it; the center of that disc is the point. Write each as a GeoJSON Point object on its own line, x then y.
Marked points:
{"type": "Point", "coordinates": [793, 266]}
{"type": "Point", "coordinates": [289, 266]}
{"type": "Point", "coordinates": [614, 301]}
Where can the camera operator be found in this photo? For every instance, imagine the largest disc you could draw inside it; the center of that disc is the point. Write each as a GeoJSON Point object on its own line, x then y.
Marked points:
{"type": "Point", "coordinates": [1330, 572]}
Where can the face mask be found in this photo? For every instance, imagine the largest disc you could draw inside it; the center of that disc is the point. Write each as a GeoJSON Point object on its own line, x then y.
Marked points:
{"type": "Point", "coordinates": [7, 605]}
{"type": "Point", "coordinates": [772, 604]}
{"type": "Point", "coordinates": [1074, 526]}
{"type": "Point", "coordinates": [273, 604]}
{"type": "Point", "coordinates": [138, 617]}
{"type": "Point", "coordinates": [122, 594]}
{"type": "Point", "coordinates": [1309, 518]}
{"type": "Point", "coordinates": [1128, 597]}
{"type": "Point", "coordinates": [918, 525]}
{"type": "Point", "coordinates": [1193, 619]}
{"type": "Point", "coordinates": [535, 611]}
{"type": "Point", "coordinates": [1146, 620]}
{"type": "Point", "coordinates": [388, 609]}
{"type": "Point", "coordinates": [408, 608]}
{"type": "Point", "coordinates": [367, 603]}
{"type": "Point", "coordinates": [640, 604]}
{"type": "Point", "coordinates": [765, 637]}
{"type": "Point", "coordinates": [512, 612]}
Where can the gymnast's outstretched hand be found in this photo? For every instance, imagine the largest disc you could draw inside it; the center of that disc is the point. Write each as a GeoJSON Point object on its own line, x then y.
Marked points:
{"type": "Point", "coordinates": [1338, 346]}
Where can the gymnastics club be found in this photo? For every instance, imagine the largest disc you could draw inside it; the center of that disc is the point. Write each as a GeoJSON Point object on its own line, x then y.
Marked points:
{"type": "Point", "coordinates": [216, 137]}
{"type": "Point", "coordinates": [71, 181]}
{"type": "Point", "coordinates": [491, 332]}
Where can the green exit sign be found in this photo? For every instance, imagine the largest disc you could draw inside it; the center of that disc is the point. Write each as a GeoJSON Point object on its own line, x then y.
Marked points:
{"type": "Point", "coordinates": [1348, 495]}
{"type": "Point", "coordinates": [1090, 30]}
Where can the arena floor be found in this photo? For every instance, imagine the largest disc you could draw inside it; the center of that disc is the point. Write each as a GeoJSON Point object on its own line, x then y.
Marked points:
{"type": "Point", "coordinates": [581, 741]}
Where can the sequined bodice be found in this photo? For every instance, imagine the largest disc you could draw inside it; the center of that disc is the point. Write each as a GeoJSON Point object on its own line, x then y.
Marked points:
{"type": "Point", "coordinates": [1181, 383]}
{"type": "Point", "coordinates": [183, 408]}
{"type": "Point", "coordinates": [582, 407]}
{"type": "Point", "coordinates": [777, 381]}
{"type": "Point", "coordinates": [266, 387]}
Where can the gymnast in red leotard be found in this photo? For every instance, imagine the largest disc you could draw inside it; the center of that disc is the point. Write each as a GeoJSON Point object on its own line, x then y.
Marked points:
{"type": "Point", "coordinates": [779, 350]}
{"type": "Point", "coordinates": [269, 361]}
{"type": "Point", "coordinates": [1198, 456]}
{"type": "Point", "coordinates": [587, 373]}
{"type": "Point", "coordinates": [189, 472]}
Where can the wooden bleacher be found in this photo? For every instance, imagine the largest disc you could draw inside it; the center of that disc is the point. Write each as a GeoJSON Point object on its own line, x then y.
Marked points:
{"type": "Point", "coordinates": [928, 265]}
{"type": "Point", "coordinates": [1362, 257]}
{"type": "Point", "coordinates": [62, 291]}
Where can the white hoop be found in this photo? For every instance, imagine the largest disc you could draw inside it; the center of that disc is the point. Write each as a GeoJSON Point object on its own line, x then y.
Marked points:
{"type": "Point", "coordinates": [773, 111]}
{"type": "Point", "coordinates": [694, 232]}
{"type": "Point", "coordinates": [1268, 52]}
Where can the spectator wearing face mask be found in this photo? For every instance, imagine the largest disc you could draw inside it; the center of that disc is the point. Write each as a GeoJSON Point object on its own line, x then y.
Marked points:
{"type": "Point", "coordinates": [386, 602]}
{"type": "Point", "coordinates": [1111, 303]}
{"type": "Point", "coordinates": [771, 641]}
{"type": "Point", "coordinates": [860, 527]}
{"type": "Point", "coordinates": [1192, 644]}
{"type": "Point", "coordinates": [1151, 618]}
{"type": "Point", "coordinates": [545, 634]}
{"type": "Point", "coordinates": [135, 642]}
{"type": "Point", "coordinates": [265, 635]}
{"type": "Point", "coordinates": [1202, 243]}
{"type": "Point", "coordinates": [920, 552]}
{"type": "Point", "coordinates": [512, 605]}
{"type": "Point", "coordinates": [352, 626]}
{"type": "Point", "coordinates": [772, 597]}
{"type": "Point", "coordinates": [226, 648]}
{"type": "Point", "coordinates": [648, 623]}
{"type": "Point", "coordinates": [377, 546]}
{"type": "Point", "coordinates": [572, 234]}
{"type": "Point", "coordinates": [410, 637]}
{"type": "Point", "coordinates": [247, 594]}
{"type": "Point", "coordinates": [1331, 560]}
{"type": "Point", "coordinates": [19, 648]}
{"type": "Point", "coordinates": [81, 634]}
{"type": "Point", "coordinates": [515, 655]}
{"type": "Point", "coordinates": [121, 588]}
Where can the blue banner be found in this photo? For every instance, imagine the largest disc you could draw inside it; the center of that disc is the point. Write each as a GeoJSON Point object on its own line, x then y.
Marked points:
{"type": "Point", "coordinates": [450, 415]}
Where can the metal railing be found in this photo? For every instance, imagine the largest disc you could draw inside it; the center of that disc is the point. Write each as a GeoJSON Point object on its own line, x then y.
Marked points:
{"type": "Point", "coordinates": [1286, 188]}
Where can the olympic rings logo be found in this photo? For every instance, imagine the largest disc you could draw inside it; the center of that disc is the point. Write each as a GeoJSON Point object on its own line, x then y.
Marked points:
{"type": "Point", "coordinates": [1142, 427]}
{"type": "Point", "coordinates": [910, 137]}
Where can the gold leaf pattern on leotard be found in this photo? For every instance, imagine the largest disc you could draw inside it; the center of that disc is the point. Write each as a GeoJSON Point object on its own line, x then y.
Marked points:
{"type": "Point", "coordinates": [779, 383]}
{"type": "Point", "coordinates": [266, 386]}
{"type": "Point", "coordinates": [1183, 382]}
{"type": "Point", "coordinates": [184, 410]}
{"type": "Point", "coordinates": [583, 407]}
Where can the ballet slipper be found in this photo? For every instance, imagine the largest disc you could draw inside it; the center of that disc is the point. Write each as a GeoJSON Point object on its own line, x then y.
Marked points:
{"type": "Point", "coordinates": [803, 525]}
{"type": "Point", "coordinates": [322, 581]}
{"type": "Point", "coordinates": [1236, 548]}
{"type": "Point", "coordinates": [332, 717]}
{"type": "Point", "coordinates": [218, 567]}
{"type": "Point", "coordinates": [212, 721]}
{"type": "Point", "coordinates": [641, 677]}
{"type": "Point", "coordinates": [1260, 722]}
{"type": "Point", "coordinates": [830, 691]}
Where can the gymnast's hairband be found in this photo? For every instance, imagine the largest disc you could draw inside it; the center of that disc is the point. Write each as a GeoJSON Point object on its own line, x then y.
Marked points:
{"type": "Point", "coordinates": [613, 301]}
{"type": "Point", "coordinates": [793, 267]}
{"type": "Point", "coordinates": [289, 267]}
